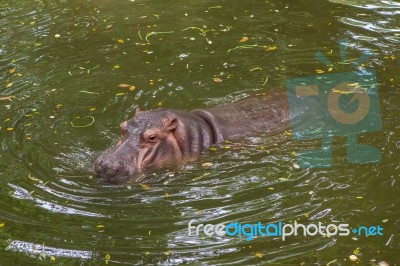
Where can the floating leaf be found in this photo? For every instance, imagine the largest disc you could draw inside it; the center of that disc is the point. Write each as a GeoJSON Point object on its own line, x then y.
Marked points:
{"type": "Point", "coordinates": [385, 221]}
{"type": "Point", "coordinates": [296, 166]}
{"type": "Point", "coordinates": [145, 186]}
{"type": "Point", "coordinates": [92, 109]}
{"type": "Point", "coordinates": [52, 258]}
{"type": "Point", "coordinates": [124, 85]}
{"type": "Point", "coordinates": [2, 225]}
{"type": "Point", "coordinates": [353, 258]}
{"type": "Point", "coordinates": [207, 164]}
{"type": "Point", "coordinates": [11, 70]}
{"type": "Point", "coordinates": [319, 71]}
{"type": "Point", "coordinates": [10, 129]}
{"type": "Point", "coordinates": [107, 258]}
{"type": "Point", "coordinates": [244, 39]}
{"type": "Point", "coordinates": [166, 195]}
{"type": "Point", "coordinates": [116, 66]}
{"type": "Point", "coordinates": [7, 98]}
{"type": "Point", "coordinates": [89, 92]}
{"type": "Point", "coordinates": [9, 85]}
{"type": "Point", "coordinates": [120, 93]}
{"type": "Point", "coordinates": [100, 226]}
{"type": "Point", "coordinates": [120, 41]}
{"type": "Point", "coordinates": [359, 197]}
{"type": "Point", "coordinates": [213, 149]}
{"type": "Point", "coordinates": [288, 132]}
{"type": "Point", "coordinates": [259, 255]}
{"type": "Point", "coordinates": [217, 80]}
{"type": "Point", "coordinates": [91, 123]}
{"type": "Point", "coordinates": [356, 251]}
{"type": "Point", "coordinates": [270, 48]}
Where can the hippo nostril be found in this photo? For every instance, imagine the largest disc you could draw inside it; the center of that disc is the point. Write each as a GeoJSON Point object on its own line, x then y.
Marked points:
{"type": "Point", "coordinates": [113, 168]}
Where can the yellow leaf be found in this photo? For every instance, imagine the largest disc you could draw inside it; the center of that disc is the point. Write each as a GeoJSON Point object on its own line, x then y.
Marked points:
{"type": "Point", "coordinates": [319, 71]}
{"type": "Point", "coordinates": [116, 66]}
{"type": "Point", "coordinates": [107, 256]}
{"type": "Point", "coordinates": [145, 186]}
{"type": "Point", "coordinates": [131, 88]}
{"type": "Point", "coordinates": [270, 48]}
{"type": "Point", "coordinates": [217, 80]}
{"type": "Point", "coordinates": [9, 85]}
{"type": "Point", "coordinates": [11, 70]}
{"type": "Point", "coordinates": [359, 197]}
{"type": "Point", "coordinates": [2, 225]}
{"type": "Point", "coordinates": [32, 178]}
{"type": "Point", "coordinates": [166, 195]}
{"type": "Point", "coordinates": [124, 85]}
{"type": "Point", "coordinates": [7, 98]}
{"type": "Point", "coordinates": [356, 251]}
{"type": "Point", "coordinates": [342, 92]}
{"type": "Point", "coordinates": [100, 226]}
{"type": "Point", "coordinates": [120, 93]}
{"type": "Point", "coordinates": [10, 129]}
{"type": "Point", "coordinates": [159, 104]}
{"type": "Point", "coordinates": [259, 255]}
{"type": "Point", "coordinates": [120, 41]}
{"type": "Point", "coordinates": [244, 39]}
{"type": "Point", "coordinates": [52, 258]}
{"type": "Point", "coordinates": [206, 164]}
{"type": "Point", "coordinates": [92, 109]}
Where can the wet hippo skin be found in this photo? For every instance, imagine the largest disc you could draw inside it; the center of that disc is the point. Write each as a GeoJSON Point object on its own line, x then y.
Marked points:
{"type": "Point", "coordinates": [161, 137]}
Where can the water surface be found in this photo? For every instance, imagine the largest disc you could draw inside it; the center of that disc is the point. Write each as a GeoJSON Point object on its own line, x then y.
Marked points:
{"type": "Point", "coordinates": [62, 62]}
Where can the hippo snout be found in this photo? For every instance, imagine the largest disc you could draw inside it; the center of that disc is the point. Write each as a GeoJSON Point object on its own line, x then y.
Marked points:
{"type": "Point", "coordinates": [112, 168]}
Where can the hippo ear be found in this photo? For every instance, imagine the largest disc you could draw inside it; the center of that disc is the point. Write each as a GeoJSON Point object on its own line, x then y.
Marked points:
{"type": "Point", "coordinates": [137, 110]}
{"type": "Point", "coordinates": [170, 124]}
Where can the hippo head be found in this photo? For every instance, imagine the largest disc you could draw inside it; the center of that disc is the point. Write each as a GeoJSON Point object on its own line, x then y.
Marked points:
{"type": "Point", "coordinates": [150, 138]}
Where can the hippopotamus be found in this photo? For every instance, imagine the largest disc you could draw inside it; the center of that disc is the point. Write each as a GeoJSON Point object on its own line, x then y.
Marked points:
{"type": "Point", "coordinates": [163, 137]}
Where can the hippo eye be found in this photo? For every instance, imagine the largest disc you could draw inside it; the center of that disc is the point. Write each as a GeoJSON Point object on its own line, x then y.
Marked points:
{"type": "Point", "coordinates": [152, 139]}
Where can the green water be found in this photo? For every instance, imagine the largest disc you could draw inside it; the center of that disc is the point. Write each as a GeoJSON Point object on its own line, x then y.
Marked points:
{"type": "Point", "coordinates": [63, 61]}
